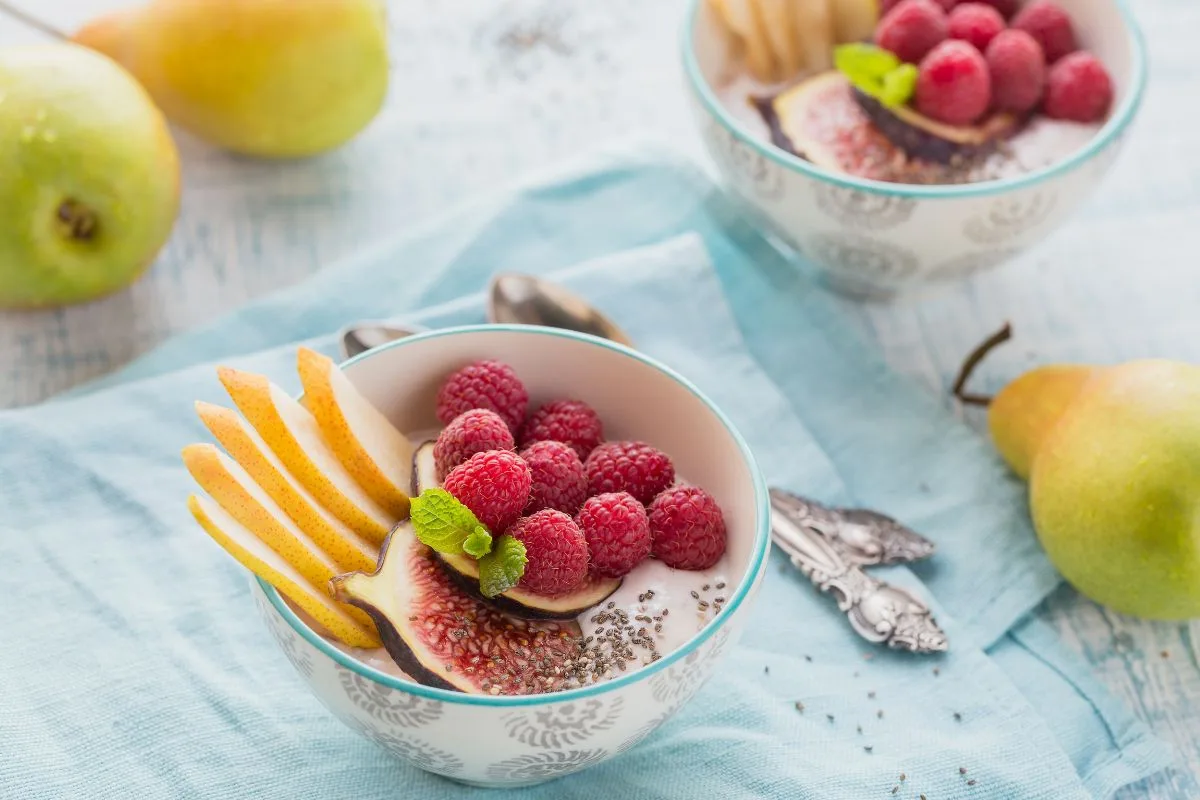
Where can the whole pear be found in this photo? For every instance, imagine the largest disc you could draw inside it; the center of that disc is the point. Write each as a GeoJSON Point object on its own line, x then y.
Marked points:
{"type": "Point", "coordinates": [268, 78]}
{"type": "Point", "coordinates": [1112, 455]}
{"type": "Point", "coordinates": [89, 176]}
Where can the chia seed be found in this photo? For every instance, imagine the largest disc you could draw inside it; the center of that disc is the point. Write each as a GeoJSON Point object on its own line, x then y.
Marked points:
{"type": "Point", "coordinates": [695, 595]}
{"type": "Point", "coordinates": [721, 585]}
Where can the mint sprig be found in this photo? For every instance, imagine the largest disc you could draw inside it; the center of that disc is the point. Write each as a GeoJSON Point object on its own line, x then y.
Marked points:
{"type": "Point", "coordinates": [501, 569]}
{"type": "Point", "coordinates": [440, 521]}
{"type": "Point", "coordinates": [876, 72]}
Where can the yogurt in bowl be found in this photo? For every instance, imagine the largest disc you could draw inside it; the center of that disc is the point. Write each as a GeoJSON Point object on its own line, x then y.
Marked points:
{"type": "Point", "coordinates": [847, 166]}
{"type": "Point", "coordinates": [655, 633]}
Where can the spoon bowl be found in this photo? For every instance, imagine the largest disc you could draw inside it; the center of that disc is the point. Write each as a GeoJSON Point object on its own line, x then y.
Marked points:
{"type": "Point", "coordinates": [519, 299]}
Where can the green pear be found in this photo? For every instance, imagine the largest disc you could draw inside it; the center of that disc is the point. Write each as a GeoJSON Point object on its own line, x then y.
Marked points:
{"type": "Point", "coordinates": [1112, 456]}
{"type": "Point", "coordinates": [267, 78]}
{"type": "Point", "coordinates": [89, 176]}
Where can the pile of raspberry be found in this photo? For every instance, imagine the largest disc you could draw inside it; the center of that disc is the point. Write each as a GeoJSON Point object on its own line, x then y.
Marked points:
{"type": "Point", "coordinates": [582, 506]}
{"type": "Point", "coordinates": [974, 58]}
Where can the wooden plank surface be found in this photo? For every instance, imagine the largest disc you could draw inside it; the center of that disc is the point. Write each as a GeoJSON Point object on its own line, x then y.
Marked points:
{"type": "Point", "coordinates": [485, 90]}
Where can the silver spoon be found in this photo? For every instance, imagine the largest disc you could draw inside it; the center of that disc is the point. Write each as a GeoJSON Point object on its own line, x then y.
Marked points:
{"type": "Point", "coordinates": [517, 298]}
{"type": "Point", "coordinates": [360, 337]}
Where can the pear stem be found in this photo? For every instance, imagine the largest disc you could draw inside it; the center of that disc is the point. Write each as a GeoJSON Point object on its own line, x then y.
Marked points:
{"type": "Point", "coordinates": [968, 368]}
{"type": "Point", "coordinates": [31, 21]}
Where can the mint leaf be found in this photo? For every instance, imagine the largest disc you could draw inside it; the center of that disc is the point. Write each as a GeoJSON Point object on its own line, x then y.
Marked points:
{"type": "Point", "coordinates": [876, 72]}
{"type": "Point", "coordinates": [478, 544]}
{"type": "Point", "coordinates": [864, 61]}
{"type": "Point", "coordinates": [500, 570]}
{"type": "Point", "coordinates": [443, 523]}
{"type": "Point", "coordinates": [898, 85]}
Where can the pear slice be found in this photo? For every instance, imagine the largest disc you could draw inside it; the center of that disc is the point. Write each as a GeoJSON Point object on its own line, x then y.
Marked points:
{"type": "Point", "coordinates": [779, 24]}
{"type": "Point", "coordinates": [744, 17]}
{"type": "Point", "coordinates": [294, 436]}
{"type": "Point", "coordinates": [854, 20]}
{"type": "Point", "coordinates": [349, 550]}
{"type": "Point", "coordinates": [814, 26]}
{"type": "Point", "coordinates": [370, 448]}
{"type": "Point", "coordinates": [254, 555]}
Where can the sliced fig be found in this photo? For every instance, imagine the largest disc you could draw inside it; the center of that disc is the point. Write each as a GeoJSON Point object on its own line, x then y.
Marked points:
{"type": "Point", "coordinates": [464, 570]}
{"type": "Point", "coordinates": [443, 637]}
{"type": "Point", "coordinates": [825, 120]}
{"type": "Point", "coordinates": [922, 137]}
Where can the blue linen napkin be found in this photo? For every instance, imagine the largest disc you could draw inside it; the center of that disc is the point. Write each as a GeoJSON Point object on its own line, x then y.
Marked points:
{"type": "Point", "coordinates": [133, 664]}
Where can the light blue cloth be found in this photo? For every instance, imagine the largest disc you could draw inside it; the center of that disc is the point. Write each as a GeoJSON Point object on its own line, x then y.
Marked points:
{"type": "Point", "coordinates": [133, 666]}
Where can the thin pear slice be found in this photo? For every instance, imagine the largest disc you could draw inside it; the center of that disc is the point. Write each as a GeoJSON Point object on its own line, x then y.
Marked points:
{"type": "Point", "coordinates": [377, 455]}
{"type": "Point", "coordinates": [349, 550]}
{"type": "Point", "coordinates": [295, 438]}
{"type": "Point", "coordinates": [743, 16]}
{"type": "Point", "coordinates": [779, 24]}
{"type": "Point", "coordinates": [854, 20]}
{"type": "Point", "coordinates": [814, 25]}
{"type": "Point", "coordinates": [254, 555]}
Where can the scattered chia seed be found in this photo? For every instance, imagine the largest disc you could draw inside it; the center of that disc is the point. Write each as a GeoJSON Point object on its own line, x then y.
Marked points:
{"type": "Point", "coordinates": [611, 605]}
{"type": "Point", "coordinates": [895, 790]}
{"type": "Point", "coordinates": [868, 748]}
{"type": "Point", "coordinates": [719, 600]}
{"type": "Point", "coordinates": [903, 777]}
{"type": "Point", "coordinates": [971, 782]}
{"type": "Point", "coordinates": [695, 595]}
{"type": "Point", "coordinates": [936, 672]}
{"type": "Point", "coordinates": [829, 717]}
{"type": "Point", "coordinates": [870, 695]}
{"type": "Point", "coordinates": [766, 670]}
{"type": "Point", "coordinates": [962, 770]}
{"type": "Point", "coordinates": [703, 604]}
{"type": "Point", "coordinates": [721, 585]}
{"type": "Point", "coordinates": [1165, 654]}
{"type": "Point", "coordinates": [879, 713]}
{"type": "Point", "coordinates": [957, 717]}
{"type": "Point", "coordinates": [666, 611]}
{"type": "Point", "coordinates": [859, 729]}
{"type": "Point", "coordinates": [923, 797]}
{"type": "Point", "coordinates": [808, 659]}
{"type": "Point", "coordinates": [800, 706]}
{"type": "Point", "coordinates": [649, 594]}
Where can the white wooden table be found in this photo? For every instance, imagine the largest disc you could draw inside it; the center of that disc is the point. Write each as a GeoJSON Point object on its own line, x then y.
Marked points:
{"type": "Point", "coordinates": [484, 90]}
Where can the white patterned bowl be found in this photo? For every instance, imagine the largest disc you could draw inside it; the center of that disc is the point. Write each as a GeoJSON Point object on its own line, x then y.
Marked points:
{"type": "Point", "coordinates": [873, 239]}
{"type": "Point", "coordinates": [514, 741]}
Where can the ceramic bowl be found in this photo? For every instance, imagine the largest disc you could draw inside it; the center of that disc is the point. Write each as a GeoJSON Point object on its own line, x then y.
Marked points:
{"type": "Point", "coordinates": [874, 239]}
{"type": "Point", "coordinates": [513, 741]}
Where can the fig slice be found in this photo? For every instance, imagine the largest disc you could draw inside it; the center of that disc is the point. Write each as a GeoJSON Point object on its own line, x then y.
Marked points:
{"type": "Point", "coordinates": [443, 637]}
{"type": "Point", "coordinates": [825, 120]}
{"type": "Point", "coordinates": [464, 570]}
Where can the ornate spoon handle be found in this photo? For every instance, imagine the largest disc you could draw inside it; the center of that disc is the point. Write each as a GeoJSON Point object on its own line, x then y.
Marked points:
{"type": "Point", "coordinates": [879, 612]}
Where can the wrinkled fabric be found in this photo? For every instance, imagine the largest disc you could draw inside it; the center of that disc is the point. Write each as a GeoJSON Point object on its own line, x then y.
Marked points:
{"type": "Point", "coordinates": [134, 664]}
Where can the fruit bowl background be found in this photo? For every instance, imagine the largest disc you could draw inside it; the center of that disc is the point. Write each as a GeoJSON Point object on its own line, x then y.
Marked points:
{"type": "Point", "coordinates": [873, 239]}
{"type": "Point", "coordinates": [510, 741]}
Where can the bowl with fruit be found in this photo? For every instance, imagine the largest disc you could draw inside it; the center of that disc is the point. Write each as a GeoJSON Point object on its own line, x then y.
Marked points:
{"type": "Point", "coordinates": [502, 553]}
{"type": "Point", "coordinates": [915, 141]}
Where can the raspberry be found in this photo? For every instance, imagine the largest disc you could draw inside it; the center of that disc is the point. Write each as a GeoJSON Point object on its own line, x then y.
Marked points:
{"type": "Point", "coordinates": [572, 422]}
{"type": "Point", "coordinates": [888, 5]}
{"type": "Point", "coordinates": [953, 84]}
{"type": "Point", "coordinates": [1049, 26]}
{"type": "Point", "coordinates": [558, 478]}
{"type": "Point", "coordinates": [617, 530]}
{"type": "Point", "coordinates": [911, 29]}
{"type": "Point", "coordinates": [687, 528]}
{"type": "Point", "coordinates": [977, 23]}
{"type": "Point", "coordinates": [633, 467]}
{"type": "Point", "coordinates": [494, 485]}
{"type": "Point", "coordinates": [1006, 8]}
{"type": "Point", "coordinates": [484, 384]}
{"type": "Point", "coordinates": [1018, 71]}
{"type": "Point", "coordinates": [555, 550]}
{"type": "Point", "coordinates": [1078, 88]}
{"type": "Point", "coordinates": [471, 432]}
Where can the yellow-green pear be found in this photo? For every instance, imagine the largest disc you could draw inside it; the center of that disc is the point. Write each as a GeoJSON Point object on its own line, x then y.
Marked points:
{"type": "Point", "coordinates": [269, 78]}
{"type": "Point", "coordinates": [89, 176]}
{"type": "Point", "coordinates": [1112, 455]}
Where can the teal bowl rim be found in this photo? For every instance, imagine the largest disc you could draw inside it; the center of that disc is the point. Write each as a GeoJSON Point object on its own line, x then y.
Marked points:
{"type": "Point", "coordinates": [1116, 125]}
{"type": "Point", "coordinates": [751, 576]}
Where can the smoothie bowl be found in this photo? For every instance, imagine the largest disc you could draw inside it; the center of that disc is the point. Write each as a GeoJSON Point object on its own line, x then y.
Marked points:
{"type": "Point", "coordinates": [919, 145]}
{"type": "Point", "coordinates": [504, 554]}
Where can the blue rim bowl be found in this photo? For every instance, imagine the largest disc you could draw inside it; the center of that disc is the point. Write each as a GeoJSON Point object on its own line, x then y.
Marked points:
{"type": "Point", "coordinates": [753, 571]}
{"type": "Point", "coordinates": [1116, 125]}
